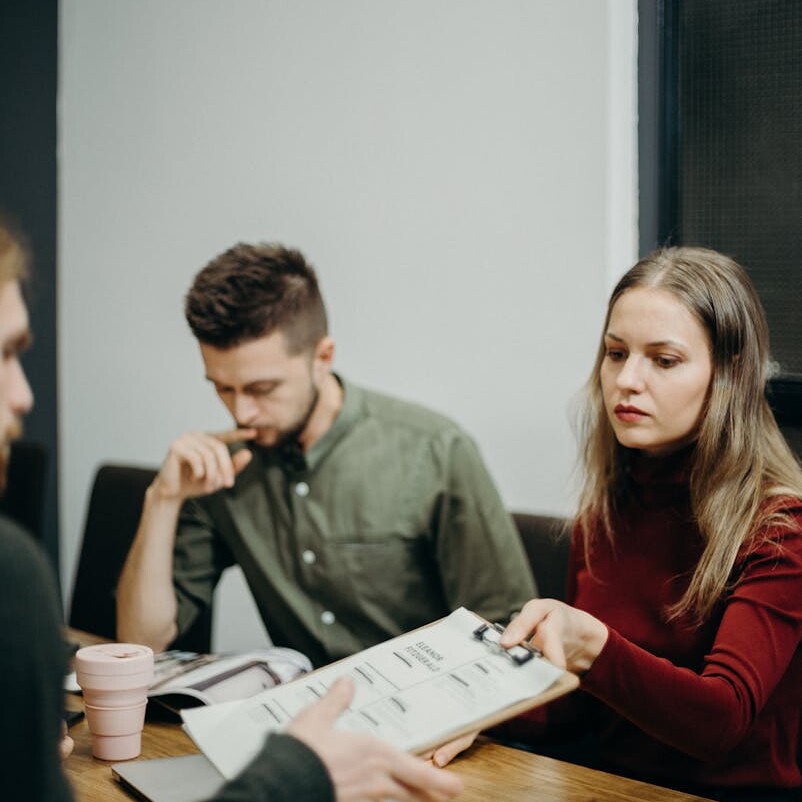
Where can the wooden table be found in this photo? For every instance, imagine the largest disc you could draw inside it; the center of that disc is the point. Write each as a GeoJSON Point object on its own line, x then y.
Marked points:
{"type": "Point", "coordinates": [488, 770]}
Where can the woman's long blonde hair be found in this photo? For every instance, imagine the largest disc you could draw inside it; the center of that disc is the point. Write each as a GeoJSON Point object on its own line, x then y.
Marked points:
{"type": "Point", "coordinates": [741, 458]}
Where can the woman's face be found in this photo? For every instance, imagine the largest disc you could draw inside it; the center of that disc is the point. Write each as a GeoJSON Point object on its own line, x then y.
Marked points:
{"type": "Point", "coordinates": [656, 371]}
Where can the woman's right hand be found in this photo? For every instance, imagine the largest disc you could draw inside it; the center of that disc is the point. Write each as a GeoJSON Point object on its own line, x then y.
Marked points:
{"type": "Point", "coordinates": [567, 637]}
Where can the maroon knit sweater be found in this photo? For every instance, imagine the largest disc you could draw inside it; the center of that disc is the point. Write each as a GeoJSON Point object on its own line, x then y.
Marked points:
{"type": "Point", "coordinates": [715, 705]}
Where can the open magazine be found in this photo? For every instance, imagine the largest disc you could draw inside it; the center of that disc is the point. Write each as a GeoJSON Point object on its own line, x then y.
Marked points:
{"type": "Point", "coordinates": [189, 679]}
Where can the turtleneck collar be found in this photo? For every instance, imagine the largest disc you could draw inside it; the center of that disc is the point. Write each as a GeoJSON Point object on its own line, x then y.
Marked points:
{"type": "Point", "coordinates": [659, 480]}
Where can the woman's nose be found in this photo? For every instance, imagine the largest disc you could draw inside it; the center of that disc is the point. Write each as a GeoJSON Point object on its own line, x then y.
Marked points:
{"type": "Point", "coordinates": [630, 377]}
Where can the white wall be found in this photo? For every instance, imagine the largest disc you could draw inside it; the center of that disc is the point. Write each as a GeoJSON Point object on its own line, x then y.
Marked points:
{"type": "Point", "coordinates": [461, 172]}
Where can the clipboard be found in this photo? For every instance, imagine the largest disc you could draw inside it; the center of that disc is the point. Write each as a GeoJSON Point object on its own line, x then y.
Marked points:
{"type": "Point", "coordinates": [519, 655]}
{"type": "Point", "coordinates": [417, 691]}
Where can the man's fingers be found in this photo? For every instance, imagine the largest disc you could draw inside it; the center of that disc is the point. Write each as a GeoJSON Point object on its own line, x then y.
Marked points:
{"type": "Point", "coordinates": [66, 744]}
{"type": "Point", "coordinates": [241, 459]}
{"type": "Point", "coordinates": [205, 457]}
{"type": "Point", "coordinates": [323, 713]}
{"type": "Point", "coordinates": [235, 435]}
{"type": "Point", "coordinates": [214, 457]}
{"type": "Point", "coordinates": [222, 470]}
{"type": "Point", "coordinates": [193, 451]}
{"type": "Point", "coordinates": [336, 700]}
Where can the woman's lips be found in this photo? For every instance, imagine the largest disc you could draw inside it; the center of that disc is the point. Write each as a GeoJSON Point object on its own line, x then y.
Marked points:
{"type": "Point", "coordinates": [629, 414]}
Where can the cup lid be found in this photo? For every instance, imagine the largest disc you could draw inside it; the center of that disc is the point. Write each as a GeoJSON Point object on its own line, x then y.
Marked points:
{"type": "Point", "coordinates": [114, 659]}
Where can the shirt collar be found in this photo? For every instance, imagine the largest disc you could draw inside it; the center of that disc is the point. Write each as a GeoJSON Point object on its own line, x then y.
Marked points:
{"type": "Point", "coordinates": [293, 461]}
{"type": "Point", "coordinates": [351, 412]}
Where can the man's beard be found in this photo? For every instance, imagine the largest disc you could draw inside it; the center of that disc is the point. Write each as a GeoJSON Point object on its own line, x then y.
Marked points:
{"type": "Point", "coordinates": [293, 435]}
{"type": "Point", "coordinates": [289, 437]}
{"type": "Point", "coordinates": [13, 431]}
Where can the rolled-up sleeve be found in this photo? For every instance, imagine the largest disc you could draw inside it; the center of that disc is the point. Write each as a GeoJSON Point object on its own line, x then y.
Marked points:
{"type": "Point", "coordinates": [199, 558]}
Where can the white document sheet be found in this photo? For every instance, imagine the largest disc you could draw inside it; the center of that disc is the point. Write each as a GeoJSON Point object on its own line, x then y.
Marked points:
{"type": "Point", "coordinates": [415, 691]}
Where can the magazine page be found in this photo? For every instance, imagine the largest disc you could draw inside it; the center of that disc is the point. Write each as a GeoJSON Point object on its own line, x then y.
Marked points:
{"type": "Point", "coordinates": [183, 679]}
{"type": "Point", "coordinates": [416, 691]}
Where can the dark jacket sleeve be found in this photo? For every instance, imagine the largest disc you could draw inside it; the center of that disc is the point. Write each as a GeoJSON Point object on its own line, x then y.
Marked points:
{"type": "Point", "coordinates": [286, 770]}
{"type": "Point", "coordinates": [32, 665]}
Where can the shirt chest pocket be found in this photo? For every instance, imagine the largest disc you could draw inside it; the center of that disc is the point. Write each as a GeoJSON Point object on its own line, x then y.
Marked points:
{"type": "Point", "coordinates": [384, 569]}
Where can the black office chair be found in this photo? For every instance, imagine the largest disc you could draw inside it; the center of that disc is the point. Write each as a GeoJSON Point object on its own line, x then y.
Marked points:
{"type": "Point", "coordinates": [545, 539]}
{"type": "Point", "coordinates": [785, 398]}
{"type": "Point", "coordinates": [112, 517]}
{"type": "Point", "coordinates": [24, 499]}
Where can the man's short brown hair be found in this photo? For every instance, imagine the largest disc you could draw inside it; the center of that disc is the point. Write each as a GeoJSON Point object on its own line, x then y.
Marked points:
{"type": "Point", "coordinates": [250, 291]}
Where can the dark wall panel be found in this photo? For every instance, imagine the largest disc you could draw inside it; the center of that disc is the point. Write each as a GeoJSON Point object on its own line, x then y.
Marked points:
{"type": "Point", "coordinates": [28, 91]}
{"type": "Point", "coordinates": [740, 156]}
{"type": "Point", "coordinates": [657, 124]}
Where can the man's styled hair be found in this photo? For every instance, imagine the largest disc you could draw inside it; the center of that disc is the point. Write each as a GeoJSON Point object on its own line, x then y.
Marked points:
{"type": "Point", "coordinates": [250, 291]}
{"type": "Point", "coordinates": [13, 253]}
{"type": "Point", "coordinates": [741, 460]}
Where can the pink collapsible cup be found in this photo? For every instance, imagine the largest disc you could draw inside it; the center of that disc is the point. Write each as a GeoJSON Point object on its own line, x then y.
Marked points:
{"type": "Point", "coordinates": [116, 731]}
{"type": "Point", "coordinates": [114, 678]}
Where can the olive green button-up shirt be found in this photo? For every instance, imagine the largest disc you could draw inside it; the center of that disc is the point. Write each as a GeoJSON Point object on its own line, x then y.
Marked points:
{"type": "Point", "coordinates": [392, 522]}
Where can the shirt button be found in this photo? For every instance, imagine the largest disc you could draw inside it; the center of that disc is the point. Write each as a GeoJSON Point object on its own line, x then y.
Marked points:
{"type": "Point", "coordinates": [302, 489]}
{"type": "Point", "coordinates": [327, 617]}
{"type": "Point", "coordinates": [309, 556]}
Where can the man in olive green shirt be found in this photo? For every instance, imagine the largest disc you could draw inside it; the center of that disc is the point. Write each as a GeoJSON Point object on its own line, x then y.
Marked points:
{"type": "Point", "coordinates": [354, 516]}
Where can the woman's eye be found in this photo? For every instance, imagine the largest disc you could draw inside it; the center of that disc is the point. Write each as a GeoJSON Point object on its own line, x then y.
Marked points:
{"type": "Point", "coordinates": [615, 354]}
{"type": "Point", "coordinates": [666, 361]}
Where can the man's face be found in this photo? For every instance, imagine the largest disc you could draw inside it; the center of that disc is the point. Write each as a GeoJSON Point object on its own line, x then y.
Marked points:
{"type": "Point", "coordinates": [266, 388]}
{"type": "Point", "coordinates": [16, 398]}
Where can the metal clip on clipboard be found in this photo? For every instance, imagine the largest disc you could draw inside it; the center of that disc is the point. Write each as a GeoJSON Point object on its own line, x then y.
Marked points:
{"type": "Point", "coordinates": [490, 634]}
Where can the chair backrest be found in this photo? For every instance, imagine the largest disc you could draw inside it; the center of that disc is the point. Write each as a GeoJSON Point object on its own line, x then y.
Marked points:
{"type": "Point", "coordinates": [115, 506]}
{"type": "Point", "coordinates": [785, 397]}
{"type": "Point", "coordinates": [545, 539]}
{"type": "Point", "coordinates": [24, 499]}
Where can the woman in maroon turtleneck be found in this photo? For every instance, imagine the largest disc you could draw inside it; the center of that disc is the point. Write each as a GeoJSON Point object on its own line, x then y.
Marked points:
{"type": "Point", "coordinates": [684, 614]}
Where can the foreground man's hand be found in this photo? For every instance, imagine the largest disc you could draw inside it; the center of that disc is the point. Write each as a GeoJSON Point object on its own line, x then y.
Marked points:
{"type": "Point", "coordinates": [66, 744]}
{"type": "Point", "coordinates": [363, 768]}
